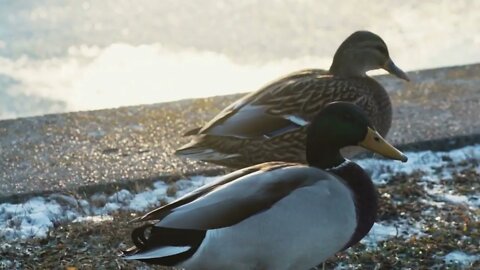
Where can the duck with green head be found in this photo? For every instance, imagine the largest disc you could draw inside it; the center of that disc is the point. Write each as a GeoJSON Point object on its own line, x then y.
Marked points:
{"type": "Point", "coordinates": [270, 124]}
{"type": "Point", "coordinates": [275, 215]}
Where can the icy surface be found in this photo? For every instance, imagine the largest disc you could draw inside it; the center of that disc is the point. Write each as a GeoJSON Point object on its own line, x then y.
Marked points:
{"type": "Point", "coordinates": [428, 162]}
{"type": "Point", "coordinates": [31, 219]}
{"type": "Point", "coordinates": [94, 219]}
{"type": "Point", "coordinates": [382, 231]}
{"type": "Point", "coordinates": [432, 167]}
{"type": "Point", "coordinates": [461, 258]}
{"type": "Point", "coordinates": [35, 217]}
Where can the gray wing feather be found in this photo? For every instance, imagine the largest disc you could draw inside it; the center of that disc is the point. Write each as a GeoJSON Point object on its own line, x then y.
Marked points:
{"type": "Point", "coordinates": [162, 211]}
{"type": "Point", "coordinates": [241, 198]}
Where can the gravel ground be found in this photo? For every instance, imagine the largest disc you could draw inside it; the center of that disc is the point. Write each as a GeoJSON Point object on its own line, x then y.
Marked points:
{"type": "Point", "coordinates": [109, 147]}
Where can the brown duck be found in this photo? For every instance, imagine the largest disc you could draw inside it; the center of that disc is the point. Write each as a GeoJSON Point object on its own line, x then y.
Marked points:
{"type": "Point", "coordinates": [270, 124]}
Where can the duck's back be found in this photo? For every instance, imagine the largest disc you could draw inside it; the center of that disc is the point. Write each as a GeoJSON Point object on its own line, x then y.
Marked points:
{"type": "Point", "coordinates": [306, 93]}
{"type": "Point", "coordinates": [270, 124]}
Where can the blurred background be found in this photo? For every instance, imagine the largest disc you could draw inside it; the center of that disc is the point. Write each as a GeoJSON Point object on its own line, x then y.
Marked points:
{"type": "Point", "coordinates": [59, 55]}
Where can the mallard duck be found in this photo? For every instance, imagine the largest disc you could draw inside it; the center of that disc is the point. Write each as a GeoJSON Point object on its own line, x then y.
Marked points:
{"type": "Point", "coordinates": [275, 215]}
{"type": "Point", "coordinates": [270, 124]}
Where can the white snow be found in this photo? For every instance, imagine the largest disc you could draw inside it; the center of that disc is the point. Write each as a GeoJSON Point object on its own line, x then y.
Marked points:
{"type": "Point", "coordinates": [461, 258]}
{"type": "Point", "coordinates": [94, 219]}
{"type": "Point", "coordinates": [472, 201]}
{"type": "Point", "coordinates": [431, 165]}
{"type": "Point", "coordinates": [384, 230]}
{"type": "Point", "coordinates": [31, 219]}
{"type": "Point", "coordinates": [428, 162]}
{"type": "Point", "coordinates": [36, 216]}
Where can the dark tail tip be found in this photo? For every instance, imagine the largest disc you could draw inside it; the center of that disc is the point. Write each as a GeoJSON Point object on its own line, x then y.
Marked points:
{"type": "Point", "coordinates": [138, 235]}
{"type": "Point", "coordinates": [185, 150]}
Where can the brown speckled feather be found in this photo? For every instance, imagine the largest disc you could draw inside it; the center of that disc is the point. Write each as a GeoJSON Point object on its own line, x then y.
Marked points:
{"type": "Point", "coordinates": [241, 143]}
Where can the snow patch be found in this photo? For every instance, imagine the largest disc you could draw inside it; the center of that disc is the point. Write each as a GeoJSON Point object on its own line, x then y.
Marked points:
{"type": "Point", "coordinates": [385, 230]}
{"type": "Point", "coordinates": [432, 166]}
{"type": "Point", "coordinates": [94, 219]}
{"type": "Point", "coordinates": [38, 215]}
{"type": "Point", "coordinates": [430, 163]}
{"type": "Point", "coordinates": [461, 258]}
{"type": "Point", "coordinates": [31, 219]}
{"type": "Point", "coordinates": [443, 194]}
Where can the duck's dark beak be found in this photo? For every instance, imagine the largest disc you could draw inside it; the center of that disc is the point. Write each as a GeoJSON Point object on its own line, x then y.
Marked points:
{"type": "Point", "coordinates": [375, 143]}
{"type": "Point", "coordinates": [393, 69]}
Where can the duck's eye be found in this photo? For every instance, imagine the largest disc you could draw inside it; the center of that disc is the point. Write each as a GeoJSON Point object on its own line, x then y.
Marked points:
{"type": "Point", "coordinates": [377, 139]}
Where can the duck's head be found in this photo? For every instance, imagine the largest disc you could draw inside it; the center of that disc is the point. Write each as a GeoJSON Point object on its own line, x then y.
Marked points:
{"type": "Point", "coordinates": [363, 51]}
{"type": "Point", "coordinates": [340, 124]}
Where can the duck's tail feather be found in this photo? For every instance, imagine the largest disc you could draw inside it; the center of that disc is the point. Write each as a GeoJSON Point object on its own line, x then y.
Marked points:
{"type": "Point", "coordinates": [205, 154]}
{"type": "Point", "coordinates": [164, 246]}
{"type": "Point", "coordinates": [196, 150]}
{"type": "Point", "coordinates": [157, 253]}
{"type": "Point", "coordinates": [192, 132]}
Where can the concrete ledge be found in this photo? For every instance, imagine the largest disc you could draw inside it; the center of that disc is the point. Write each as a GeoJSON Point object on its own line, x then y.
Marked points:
{"type": "Point", "coordinates": [116, 147]}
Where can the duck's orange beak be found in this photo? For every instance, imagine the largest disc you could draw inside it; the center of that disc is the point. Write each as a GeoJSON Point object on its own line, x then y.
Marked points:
{"type": "Point", "coordinates": [376, 143]}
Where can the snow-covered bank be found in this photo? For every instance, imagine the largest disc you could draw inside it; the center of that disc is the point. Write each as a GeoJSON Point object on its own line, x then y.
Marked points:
{"type": "Point", "coordinates": [430, 163]}
{"type": "Point", "coordinates": [35, 217]}
{"type": "Point", "coordinates": [38, 215]}
{"type": "Point", "coordinates": [459, 257]}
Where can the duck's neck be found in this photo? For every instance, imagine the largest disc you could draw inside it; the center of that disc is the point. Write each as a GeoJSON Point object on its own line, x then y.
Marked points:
{"type": "Point", "coordinates": [365, 195]}
{"type": "Point", "coordinates": [346, 71]}
{"type": "Point", "coordinates": [323, 156]}
{"type": "Point", "coordinates": [344, 65]}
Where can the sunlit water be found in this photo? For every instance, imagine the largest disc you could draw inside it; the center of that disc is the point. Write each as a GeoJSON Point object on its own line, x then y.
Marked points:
{"type": "Point", "coordinates": [58, 56]}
